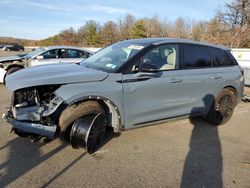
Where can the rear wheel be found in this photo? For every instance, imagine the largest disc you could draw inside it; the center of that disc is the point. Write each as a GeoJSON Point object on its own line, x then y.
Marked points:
{"type": "Point", "coordinates": [222, 108]}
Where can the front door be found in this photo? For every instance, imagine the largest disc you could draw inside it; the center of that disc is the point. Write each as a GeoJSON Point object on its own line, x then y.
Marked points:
{"type": "Point", "coordinates": [154, 96]}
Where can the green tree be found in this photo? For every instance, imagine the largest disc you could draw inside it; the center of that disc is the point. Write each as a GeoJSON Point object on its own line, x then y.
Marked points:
{"type": "Point", "coordinates": [89, 34]}
{"type": "Point", "coordinates": [138, 29]}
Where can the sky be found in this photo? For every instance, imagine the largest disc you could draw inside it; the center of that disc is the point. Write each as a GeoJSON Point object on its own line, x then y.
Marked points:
{"type": "Point", "coordinates": [39, 19]}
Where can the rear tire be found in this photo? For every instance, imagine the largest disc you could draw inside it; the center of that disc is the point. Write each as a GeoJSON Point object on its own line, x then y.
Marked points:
{"type": "Point", "coordinates": [222, 108]}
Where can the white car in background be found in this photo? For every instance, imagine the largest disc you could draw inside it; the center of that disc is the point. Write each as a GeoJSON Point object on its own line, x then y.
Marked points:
{"type": "Point", "coordinates": [2, 73]}
{"type": "Point", "coordinates": [42, 56]}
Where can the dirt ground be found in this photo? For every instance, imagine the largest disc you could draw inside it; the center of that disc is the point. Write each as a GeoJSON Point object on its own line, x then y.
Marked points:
{"type": "Point", "coordinates": [184, 153]}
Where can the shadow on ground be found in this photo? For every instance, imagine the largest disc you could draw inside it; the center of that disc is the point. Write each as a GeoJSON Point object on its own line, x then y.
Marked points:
{"type": "Point", "coordinates": [203, 165]}
{"type": "Point", "coordinates": [23, 156]}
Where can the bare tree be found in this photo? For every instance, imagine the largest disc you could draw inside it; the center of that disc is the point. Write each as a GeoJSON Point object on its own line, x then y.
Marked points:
{"type": "Point", "coordinates": [68, 37]}
{"type": "Point", "coordinates": [125, 26]}
{"type": "Point", "coordinates": [182, 28]}
{"type": "Point", "coordinates": [237, 18]}
{"type": "Point", "coordinates": [230, 27]}
{"type": "Point", "coordinates": [154, 27]}
{"type": "Point", "coordinates": [109, 33]}
{"type": "Point", "coordinates": [199, 30]}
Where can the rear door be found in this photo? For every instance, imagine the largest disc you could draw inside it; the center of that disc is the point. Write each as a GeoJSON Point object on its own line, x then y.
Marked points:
{"type": "Point", "coordinates": [201, 80]}
{"type": "Point", "coordinates": [73, 56]}
{"type": "Point", "coordinates": [225, 67]}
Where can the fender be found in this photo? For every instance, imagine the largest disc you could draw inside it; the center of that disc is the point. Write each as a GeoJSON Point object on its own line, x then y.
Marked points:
{"type": "Point", "coordinates": [109, 95]}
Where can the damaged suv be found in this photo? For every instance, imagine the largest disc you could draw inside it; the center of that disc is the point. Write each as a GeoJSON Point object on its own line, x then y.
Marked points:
{"type": "Point", "coordinates": [129, 84]}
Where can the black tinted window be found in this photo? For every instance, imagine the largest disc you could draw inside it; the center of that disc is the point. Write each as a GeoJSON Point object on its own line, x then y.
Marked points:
{"type": "Point", "coordinates": [83, 54]}
{"type": "Point", "coordinates": [71, 53]}
{"type": "Point", "coordinates": [196, 57]}
{"type": "Point", "coordinates": [51, 54]}
{"type": "Point", "coordinates": [220, 58]}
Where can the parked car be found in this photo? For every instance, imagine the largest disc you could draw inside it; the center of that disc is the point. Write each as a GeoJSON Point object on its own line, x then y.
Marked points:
{"type": "Point", "coordinates": [14, 47]}
{"type": "Point", "coordinates": [1, 46]}
{"type": "Point", "coordinates": [43, 56]}
{"type": "Point", "coordinates": [129, 84]}
{"type": "Point", "coordinates": [2, 73]}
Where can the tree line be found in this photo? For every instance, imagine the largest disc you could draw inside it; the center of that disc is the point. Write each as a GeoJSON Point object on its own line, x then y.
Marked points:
{"type": "Point", "coordinates": [229, 27]}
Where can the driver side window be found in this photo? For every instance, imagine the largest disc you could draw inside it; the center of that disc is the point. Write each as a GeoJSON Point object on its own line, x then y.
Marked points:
{"type": "Point", "coordinates": [165, 57]}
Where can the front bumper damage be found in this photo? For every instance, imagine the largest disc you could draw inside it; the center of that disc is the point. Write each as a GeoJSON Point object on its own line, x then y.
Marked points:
{"type": "Point", "coordinates": [31, 114]}
{"type": "Point", "coordinates": [30, 127]}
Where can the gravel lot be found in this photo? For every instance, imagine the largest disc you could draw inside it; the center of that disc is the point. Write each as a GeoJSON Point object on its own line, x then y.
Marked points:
{"type": "Point", "coordinates": [184, 153]}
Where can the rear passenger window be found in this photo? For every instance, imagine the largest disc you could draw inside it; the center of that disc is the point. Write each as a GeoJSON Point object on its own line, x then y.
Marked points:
{"type": "Point", "coordinates": [196, 57]}
{"type": "Point", "coordinates": [220, 58]}
{"type": "Point", "coordinates": [83, 54]}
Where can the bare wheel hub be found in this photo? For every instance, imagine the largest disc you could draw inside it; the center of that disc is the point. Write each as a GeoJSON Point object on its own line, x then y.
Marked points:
{"type": "Point", "coordinates": [88, 132]}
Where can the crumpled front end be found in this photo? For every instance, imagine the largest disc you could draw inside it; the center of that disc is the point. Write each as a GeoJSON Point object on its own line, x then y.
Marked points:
{"type": "Point", "coordinates": [33, 111]}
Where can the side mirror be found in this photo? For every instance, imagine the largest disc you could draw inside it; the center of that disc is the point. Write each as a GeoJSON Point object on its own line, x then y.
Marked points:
{"type": "Point", "coordinates": [39, 57]}
{"type": "Point", "coordinates": [146, 67]}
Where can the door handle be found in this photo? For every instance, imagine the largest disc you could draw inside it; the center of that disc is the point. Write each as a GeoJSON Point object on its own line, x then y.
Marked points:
{"type": "Point", "coordinates": [175, 81]}
{"type": "Point", "coordinates": [146, 74]}
{"type": "Point", "coordinates": [216, 77]}
{"type": "Point", "coordinates": [133, 80]}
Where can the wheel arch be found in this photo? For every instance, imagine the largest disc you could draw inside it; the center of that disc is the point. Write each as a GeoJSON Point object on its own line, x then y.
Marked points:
{"type": "Point", "coordinates": [112, 110]}
{"type": "Point", "coordinates": [14, 65]}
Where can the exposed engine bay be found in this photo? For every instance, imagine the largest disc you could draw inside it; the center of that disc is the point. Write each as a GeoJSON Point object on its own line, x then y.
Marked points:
{"type": "Point", "coordinates": [36, 104]}
{"type": "Point", "coordinates": [33, 109]}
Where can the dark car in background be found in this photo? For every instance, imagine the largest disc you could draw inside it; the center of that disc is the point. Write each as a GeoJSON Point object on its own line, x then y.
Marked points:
{"type": "Point", "coordinates": [14, 47]}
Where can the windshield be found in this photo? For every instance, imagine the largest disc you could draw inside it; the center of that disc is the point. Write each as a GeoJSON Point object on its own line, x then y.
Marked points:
{"type": "Point", "coordinates": [110, 59]}
{"type": "Point", "coordinates": [33, 53]}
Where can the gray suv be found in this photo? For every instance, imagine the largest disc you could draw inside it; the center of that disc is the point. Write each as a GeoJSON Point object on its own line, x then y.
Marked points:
{"type": "Point", "coordinates": [129, 84]}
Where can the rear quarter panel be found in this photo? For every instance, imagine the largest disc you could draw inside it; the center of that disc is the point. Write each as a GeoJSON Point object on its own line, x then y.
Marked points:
{"type": "Point", "coordinates": [232, 77]}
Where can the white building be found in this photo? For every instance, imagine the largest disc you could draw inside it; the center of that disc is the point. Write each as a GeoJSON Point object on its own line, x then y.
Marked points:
{"type": "Point", "coordinates": [242, 55]}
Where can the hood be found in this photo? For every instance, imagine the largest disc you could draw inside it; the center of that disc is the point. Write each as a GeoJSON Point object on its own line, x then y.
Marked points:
{"type": "Point", "coordinates": [52, 74]}
{"type": "Point", "coordinates": [10, 58]}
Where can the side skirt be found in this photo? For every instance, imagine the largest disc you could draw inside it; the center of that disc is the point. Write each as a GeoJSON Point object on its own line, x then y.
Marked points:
{"type": "Point", "coordinates": [161, 121]}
